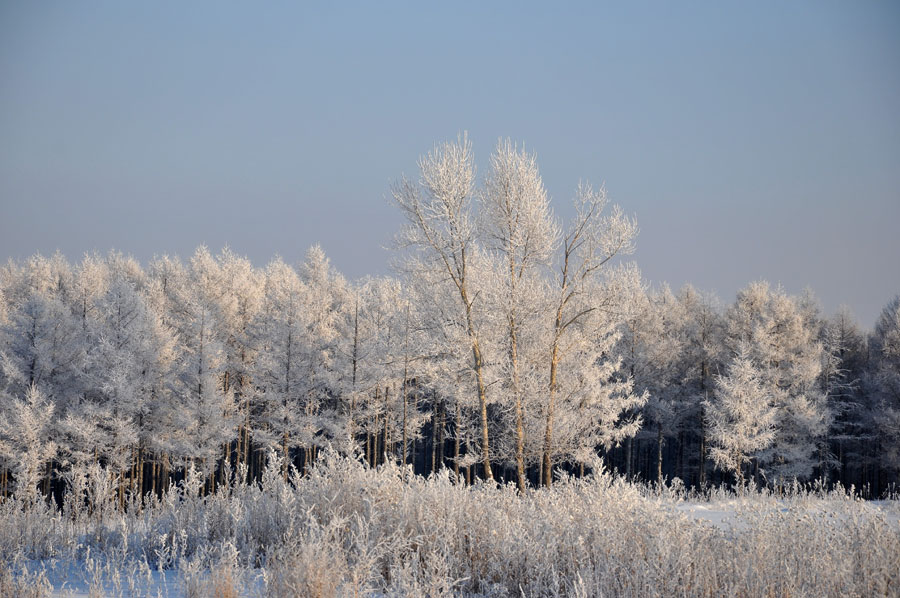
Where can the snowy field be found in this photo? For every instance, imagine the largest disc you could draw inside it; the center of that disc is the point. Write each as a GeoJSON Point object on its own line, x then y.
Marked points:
{"type": "Point", "coordinates": [347, 530]}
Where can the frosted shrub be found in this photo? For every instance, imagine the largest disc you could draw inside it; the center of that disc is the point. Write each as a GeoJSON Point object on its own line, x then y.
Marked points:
{"type": "Point", "coordinates": [23, 584]}
{"type": "Point", "coordinates": [349, 530]}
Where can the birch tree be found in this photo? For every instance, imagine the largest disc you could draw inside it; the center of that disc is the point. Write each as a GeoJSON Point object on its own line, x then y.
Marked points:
{"type": "Point", "coordinates": [522, 232]}
{"type": "Point", "coordinates": [441, 233]}
{"type": "Point", "coordinates": [592, 240]}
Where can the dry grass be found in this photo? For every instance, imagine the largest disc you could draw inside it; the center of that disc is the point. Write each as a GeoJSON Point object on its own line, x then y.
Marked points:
{"type": "Point", "coordinates": [347, 530]}
{"type": "Point", "coordinates": [22, 585]}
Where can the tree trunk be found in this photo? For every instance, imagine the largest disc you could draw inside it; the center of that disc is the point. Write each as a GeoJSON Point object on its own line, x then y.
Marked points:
{"type": "Point", "coordinates": [435, 436]}
{"type": "Point", "coordinates": [285, 456]}
{"type": "Point", "coordinates": [546, 462]}
{"type": "Point", "coordinates": [456, 441]}
{"type": "Point", "coordinates": [659, 455]}
{"type": "Point", "coordinates": [702, 471]}
{"type": "Point", "coordinates": [142, 459]}
{"type": "Point", "coordinates": [46, 480]}
{"type": "Point", "coordinates": [415, 409]}
{"type": "Point", "coordinates": [355, 359]}
{"type": "Point", "coordinates": [478, 366]}
{"type": "Point", "coordinates": [520, 412]}
{"type": "Point", "coordinates": [247, 441]}
{"type": "Point", "coordinates": [403, 449]}
{"type": "Point", "coordinates": [121, 490]}
{"type": "Point", "coordinates": [629, 449]}
{"type": "Point", "coordinates": [482, 399]}
{"type": "Point", "coordinates": [386, 440]}
{"type": "Point", "coordinates": [440, 440]}
{"type": "Point", "coordinates": [704, 375]}
{"type": "Point", "coordinates": [375, 436]}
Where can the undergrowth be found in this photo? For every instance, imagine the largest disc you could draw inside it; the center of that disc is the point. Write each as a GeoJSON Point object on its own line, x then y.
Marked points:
{"type": "Point", "coordinates": [348, 530]}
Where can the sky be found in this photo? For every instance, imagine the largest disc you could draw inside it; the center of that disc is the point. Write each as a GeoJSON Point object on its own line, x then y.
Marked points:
{"type": "Point", "coordinates": [750, 140]}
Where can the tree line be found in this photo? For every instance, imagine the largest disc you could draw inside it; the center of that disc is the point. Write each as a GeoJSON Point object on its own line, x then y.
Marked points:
{"type": "Point", "coordinates": [509, 346]}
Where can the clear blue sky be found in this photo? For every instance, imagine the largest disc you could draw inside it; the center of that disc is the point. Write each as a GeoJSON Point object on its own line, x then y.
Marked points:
{"type": "Point", "coordinates": [752, 140]}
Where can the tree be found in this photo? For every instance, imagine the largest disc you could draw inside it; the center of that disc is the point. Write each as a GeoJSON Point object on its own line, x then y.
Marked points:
{"type": "Point", "coordinates": [776, 334]}
{"type": "Point", "coordinates": [238, 305]}
{"type": "Point", "coordinates": [377, 334]}
{"type": "Point", "coordinates": [206, 408]}
{"type": "Point", "coordinates": [701, 355]}
{"type": "Point", "coordinates": [649, 346]}
{"type": "Point", "coordinates": [741, 417]}
{"type": "Point", "coordinates": [679, 345]}
{"type": "Point", "coordinates": [844, 357]}
{"type": "Point", "coordinates": [327, 303]}
{"type": "Point", "coordinates": [129, 363]}
{"type": "Point", "coordinates": [521, 230]}
{"type": "Point", "coordinates": [884, 346]}
{"type": "Point", "coordinates": [592, 241]}
{"type": "Point", "coordinates": [441, 232]}
{"type": "Point", "coordinates": [282, 366]}
{"type": "Point", "coordinates": [25, 438]}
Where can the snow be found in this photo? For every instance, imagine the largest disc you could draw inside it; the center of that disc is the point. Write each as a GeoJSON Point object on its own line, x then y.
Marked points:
{"type": "Point", "coordinates": [72, 580]}
{"type": "Point", "coordinates": [722, 515]}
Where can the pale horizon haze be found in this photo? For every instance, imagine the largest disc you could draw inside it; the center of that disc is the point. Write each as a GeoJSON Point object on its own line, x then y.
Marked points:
{"type": "Point", "coordinates": [751, 141]}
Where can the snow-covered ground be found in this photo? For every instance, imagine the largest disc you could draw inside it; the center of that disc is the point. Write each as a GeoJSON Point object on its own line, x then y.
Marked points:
{"type": "Point", "coordinates": [74, 580]}
{"type": "Point", "coordinates": [731, 514]}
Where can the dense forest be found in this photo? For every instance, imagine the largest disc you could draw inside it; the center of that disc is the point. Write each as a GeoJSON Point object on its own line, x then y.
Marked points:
{"type": "Point", "coordinates": [509, 345]}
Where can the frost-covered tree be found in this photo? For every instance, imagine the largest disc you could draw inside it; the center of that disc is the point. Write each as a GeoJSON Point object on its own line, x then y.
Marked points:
{"type": "Point", "coordinates": [296, 335]}
{"type": "Point", "coordinates": [351, 353]}
{"type": "Point", "coordinates": [441, 233]}
{"type": "Point", "coordinates": [282, 366]}
{"type": "Point", "coordinates": [26, 438]}
{"type": "Point", "coordinates": [522, 233]}
{"type": "Point", "coordinates": [202, 405]}
{"type": "Point", "coordinates": [884, 347]}
{"type": "Point", "coordinates": [129, 364]}
{"type": "Point", "coordinates": [741, 416]}
{"type": "Point", "coordinates": [773, 331]}
{"type": "Point", "coordinates": [578, 302]}
{"type": "Point", "coordinates": [42, 344]}
{"type": "Point", "coordinates": [238, 305]}
{"type": "Point", "coordinates": [699, 359]}
{"type": "Point", "coordinates": [90, 281]}
{"type": "Point", "coordinates": [328, 303]}
{"type": "Point", "coordinates": [377, 332]}
{"type": "Point", "coordinates": [844, 361]}
{"type": "Point", "coordinates": [649, 347]}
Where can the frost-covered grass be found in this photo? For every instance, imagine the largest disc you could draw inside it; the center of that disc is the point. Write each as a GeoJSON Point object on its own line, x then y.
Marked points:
{"type": "Point", "coordinates": [347, 530]}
